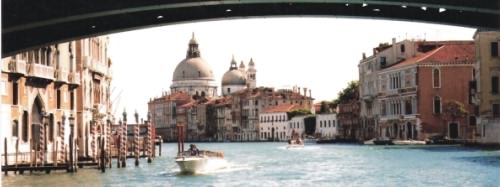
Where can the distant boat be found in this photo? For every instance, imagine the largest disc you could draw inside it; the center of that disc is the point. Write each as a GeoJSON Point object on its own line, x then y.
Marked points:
{"type": "Point", "coordinates": [369, 142]}
{"type": "Point", "coordinates": [383, 141]}
{"type": "Point", "coordinates": [408, 142]}
{"type": "Point", "coordinates": [295, 142]}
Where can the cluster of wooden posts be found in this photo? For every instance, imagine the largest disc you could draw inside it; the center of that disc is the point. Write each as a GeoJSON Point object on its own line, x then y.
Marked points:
{"type": "Point", "coordinates": [120, 142]}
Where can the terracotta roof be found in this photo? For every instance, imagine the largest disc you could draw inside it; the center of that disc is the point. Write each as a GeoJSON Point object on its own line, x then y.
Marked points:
{"type": "Point", "coordinates": [281, 108]}
{"type": "Point", "coordinates": [452, 53]}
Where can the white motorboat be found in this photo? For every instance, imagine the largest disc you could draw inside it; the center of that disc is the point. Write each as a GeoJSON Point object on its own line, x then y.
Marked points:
{"type": "Point", "coordinates": [408, 142]}
{"type": "Point", "coordinates": [202, 162]}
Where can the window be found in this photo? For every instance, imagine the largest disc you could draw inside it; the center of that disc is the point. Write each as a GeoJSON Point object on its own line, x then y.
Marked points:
{"type": "Point", "coordinates": [329, 123]}
{"type": "Point", "coordinates": [472, 121]}
{"type": "Point", "coordinates": [402, 46]}
{"type": "Point", "coordinates": [25, 126]}
{"type": "Point", "coordinates": [494, 49]}
{"type": "Point", "coordinates": [437, 105]}
{"type": "Point", "coordinates": [494, 85]}
{"type": "Point", "coordinates": [51, 127]}
{"type": "Point", "coordinates": [382, 61]}
{"type": "Point", "coordinates": [58, 99]}
{"type": "Point", "coordinates": [72, 99]}
{"type": "Point", "coordinates": [15, 92]}
{"type": "Point", "coordinates": [408, 107]}
{"type": "Point", "coordinates": [496, 110]}
{"type": "Point", "coordinates": [59, 129]}
{"type": "Point", "coordinates": [15, 128]}
{"type": "Point", "coordinates": [436, 76]}
{"type": "Point", "coordinates": [228, 90]}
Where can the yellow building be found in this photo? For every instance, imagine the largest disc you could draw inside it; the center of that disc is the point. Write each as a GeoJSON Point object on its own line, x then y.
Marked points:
{"type": "Point", "coordinates": [485, 90]}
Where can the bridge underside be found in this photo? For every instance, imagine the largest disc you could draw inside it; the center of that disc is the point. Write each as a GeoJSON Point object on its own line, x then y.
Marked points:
{"type": "Point", "coordinates": [28, 24]}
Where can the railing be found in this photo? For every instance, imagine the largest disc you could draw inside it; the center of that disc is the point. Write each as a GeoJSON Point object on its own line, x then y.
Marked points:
{"type": "Point", "coordinates": [95, 65]}
{"type": "Point", "coordinates": [74, 78]}
{"type": "Point", "coordinates": [41, 71]}
{"type": "Point", "coordinates": [17, 66]}
{"type": "Point", "coordinates": [61, 76]}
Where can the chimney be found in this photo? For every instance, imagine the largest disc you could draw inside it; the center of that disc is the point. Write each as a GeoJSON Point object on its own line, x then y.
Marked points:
{"type": "Point", "coordinates": [310, 95]}
{"type": "Point", "coordinates": [364, 56]}
{"type": "Point", "coordinates": [393, 41]}
{"type": "Point", "coordinates": [305, 92]}
{"type": "Point", "coordinates": [298, 90]}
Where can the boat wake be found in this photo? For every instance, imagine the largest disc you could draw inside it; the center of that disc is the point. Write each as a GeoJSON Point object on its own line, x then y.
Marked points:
{"type": "Point", "coordinates": [216, 166]}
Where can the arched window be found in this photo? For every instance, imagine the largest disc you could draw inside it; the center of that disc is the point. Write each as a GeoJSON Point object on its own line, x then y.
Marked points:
{"type": "Point", "coordinates": [437, 105]}
{"type": "Point", "coordinates": [436, 78]}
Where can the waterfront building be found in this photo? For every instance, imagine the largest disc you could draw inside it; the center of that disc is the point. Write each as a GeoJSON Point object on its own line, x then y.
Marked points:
{"type": "Point", "coordinates": [296, 125]}
{"type": "Point", "coordinates": [164, 113]}
{"type": "Point", "coordinates": [273, 122]}
{"type": "Point", "coordinates": [232, 117]}
{"type": "Point", "coordinates": [42, 88]}
{"type": "Point", "coordinates": [93, 96]}
{"type": "Point", "coordinates": [224, 130]}
{"type": "Point", "coordinates": [413, 94]}
{"type": "Point", "coordinates": [349, 120]}
{"type": "Point", "coordinates": [385, 55]}
{"type": "Point", "coordinates": [326, 126]}
{"type": "Point", "coordinates": [38, 89]}
{"type": "Point", "coordinates": [485, 87]}
{"type": "Point", "coordinates": [194, 75]}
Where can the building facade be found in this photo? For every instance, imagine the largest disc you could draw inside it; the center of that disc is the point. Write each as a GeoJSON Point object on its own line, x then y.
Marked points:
{"type": "Point", "coordinates": [326, 126]}
{"type": "Point", "coordinates": [414, 94]}
{"type": "Point", "coordinates": [42, 89]}
{"type": "Point", "coordinates": [273, 124]}
{"type": "Point", "coordinates": [485, 87]}
{"type": "Point", "coordinates": [93, 95]}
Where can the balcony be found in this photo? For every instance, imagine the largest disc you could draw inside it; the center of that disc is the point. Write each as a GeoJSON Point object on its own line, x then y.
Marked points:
{"type": "Point", "coordinates": [95, 66]}
{"type": "Point", "coordinates": [74, 78]}
{"type": "Point", "coordinates": [17, 66]}
{"type": "Point", "coordinates": [61, 76]}
{"type": "Point", "coordinates": [40, 71]}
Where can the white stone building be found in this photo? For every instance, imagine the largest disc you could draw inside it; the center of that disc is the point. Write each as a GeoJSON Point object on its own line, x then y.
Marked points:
{"type": "Point", "coordinates": [326, 126]}
{"type": "Point", "coordinates": [273, 123]}
{"type": "Point", "coordinates": [297, 125]}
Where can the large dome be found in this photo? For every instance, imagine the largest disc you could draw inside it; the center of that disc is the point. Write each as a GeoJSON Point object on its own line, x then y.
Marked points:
{"type": "Point", "coordinates": [233, 77]}
{"type": "Point", "coordinates": [193, 69]}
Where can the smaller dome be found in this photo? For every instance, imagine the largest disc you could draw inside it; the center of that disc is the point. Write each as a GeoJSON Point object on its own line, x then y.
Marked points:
{"type": "Point", "coordinates": [233, 77]}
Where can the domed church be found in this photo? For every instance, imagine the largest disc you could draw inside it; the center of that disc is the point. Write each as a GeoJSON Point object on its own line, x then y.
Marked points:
{"type": "Point", "coordinates": [194, 75]}
{"type": "Point", "coordinates": [236, 79]}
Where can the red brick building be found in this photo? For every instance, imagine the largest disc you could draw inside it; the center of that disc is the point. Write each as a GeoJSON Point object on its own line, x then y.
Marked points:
{"type": "Point", "coordinates": [413, 93]}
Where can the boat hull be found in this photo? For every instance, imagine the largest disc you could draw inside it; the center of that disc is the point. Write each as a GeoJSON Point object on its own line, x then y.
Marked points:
{"type": "Point", "coordinates": [191, 165]}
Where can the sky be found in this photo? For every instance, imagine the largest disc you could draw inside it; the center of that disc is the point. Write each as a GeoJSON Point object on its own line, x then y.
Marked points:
{"type": "Point", "coordinates": [321, 54]}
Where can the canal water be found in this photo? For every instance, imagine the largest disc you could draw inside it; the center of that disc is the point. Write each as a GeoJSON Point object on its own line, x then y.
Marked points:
{"type": "Point", "coordinates": [271, 164]}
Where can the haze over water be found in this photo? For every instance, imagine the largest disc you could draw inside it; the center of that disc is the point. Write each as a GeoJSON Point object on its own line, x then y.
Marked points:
{"type": "Point", "coordinates": [271, 164]}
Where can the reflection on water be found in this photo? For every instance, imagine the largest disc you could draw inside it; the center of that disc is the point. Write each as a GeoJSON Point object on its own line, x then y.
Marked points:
{"type": "Point", "coordinates": [271, 164]}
